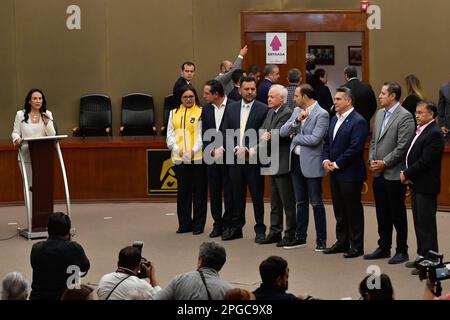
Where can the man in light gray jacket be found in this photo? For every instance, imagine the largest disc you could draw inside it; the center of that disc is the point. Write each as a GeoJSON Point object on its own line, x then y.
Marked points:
{"type": "Point", "coordinates": [308, 126]}
{"type": "Point", "coordinates": [394, 127]}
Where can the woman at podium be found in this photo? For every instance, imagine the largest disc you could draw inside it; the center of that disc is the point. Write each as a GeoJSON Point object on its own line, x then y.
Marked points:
{"type": "Point", "coordinates": [33, 121]}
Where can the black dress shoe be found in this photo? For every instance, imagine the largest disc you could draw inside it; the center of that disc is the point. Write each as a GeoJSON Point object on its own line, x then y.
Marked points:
{"type": "Point", "coordinates": [181, 230]}
{"type": "Point", "coordinates": [215, 233]}
{"type": "Point", "coordinates": [335, 248]}
{"type": "Point", "coordinates": [260, 237]}
{"type": "Point", "coordinates": [377, 254]}
{"type": "Point", "coordinates": [197, 232]}
{"type": "Point", "coordinates": [272, 238]}
{"type": "Point", "coordinates": [399, 257]}
{"type": "Point", "coordinates": [233, 234]}
{"type": "Point", "coordinates": [226, 233]}
{"type": "Point", "coordinates": [353, 253]}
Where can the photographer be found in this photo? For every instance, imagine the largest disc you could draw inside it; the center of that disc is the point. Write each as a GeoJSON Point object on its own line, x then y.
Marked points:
{"type": "Point", "coordinates": [121, 284]}
{"type": "Point", "coordinates": [430, 289]}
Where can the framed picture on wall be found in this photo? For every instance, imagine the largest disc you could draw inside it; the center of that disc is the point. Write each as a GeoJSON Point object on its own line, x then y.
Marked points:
{"type": "Point", "coordinates": [354, 56]}
{"type": "Point", "coordinates": [324, 54]}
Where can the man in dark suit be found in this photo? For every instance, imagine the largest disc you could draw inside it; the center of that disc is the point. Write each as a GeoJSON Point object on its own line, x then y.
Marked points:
{"type": "Point", "coordinates": [271, 76]}
{"type": "Point", "coordinates": [423, 173]}
{"type": "Point", "coordinates": [344, 158]}
{"type": "Point", "coordinates": [444, 108]}
{"type": "Point", "coordinates": [186, 76]}
{"type": "Point", "coordinates": [218, 179]}
{"type": "Point", "coordinates": [281, 188]}
{"type": "Point", "coordinates": [394, 127]}
{"type": "Point", "coordinates": [242, 121]}
{"type": "Point", "coordinates": [364, 100]}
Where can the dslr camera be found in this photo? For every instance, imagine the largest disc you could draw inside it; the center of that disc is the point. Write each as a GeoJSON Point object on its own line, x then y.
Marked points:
{"type": "Point", "coordinates": [142, 274]}
{"type": "Point", "coordinates": [434, 269]}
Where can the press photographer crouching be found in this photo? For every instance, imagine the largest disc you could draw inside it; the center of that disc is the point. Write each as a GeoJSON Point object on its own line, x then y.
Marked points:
{"type": "Point", "coordinates": [121, 284]}
{"type": "Point", "coordinates": [434, 271]}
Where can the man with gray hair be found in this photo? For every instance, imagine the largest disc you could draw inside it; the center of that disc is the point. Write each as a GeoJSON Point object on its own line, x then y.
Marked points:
{"type": "Point", "coordinates": [294, 78]}
{"type": "Point", "coordinates": [15, 287]}
{"type": "Point", "coordinates": [271, 76]}
{"type": "Point", "coordinates": [202, 284]}
{"type": "Point", "coordinates": [281, 189]}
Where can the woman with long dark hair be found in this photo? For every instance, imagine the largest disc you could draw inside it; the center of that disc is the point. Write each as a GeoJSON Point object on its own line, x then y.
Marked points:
{"type": "Point", "coordinates": [321, 91]}
{"type": "Point", "coordinates": [414, 94]}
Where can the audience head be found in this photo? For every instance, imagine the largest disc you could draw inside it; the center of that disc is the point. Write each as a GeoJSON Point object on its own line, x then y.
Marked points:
{"type": "Point", "coordinates": [211, 255]}
{"type": "Point", "coordinates": [212, 91]}
{"type": "Point", "coordinates": [15, 287]}
{"type": "Point", "coordinates": [343, 100]}
{"type": "Point", "coordinates": [188, 70]}
{"type": "Point", "coordinates": [374, 287]}
{"type": "Point", "coordinates": [236, 76]}
{"type": "Point", "coordinates": [255, 72]}
{"type": "Point", "coordinates": [350, 72]}
{"type": "Point", "coordinates": [130, 259]}
{"type": "Point", "coordinates": [239, 294]}
{"type": "Point", "coordinates": [226, 66]}
{"type": "Point", "coordinates": [35, 99]}
{"type": "Point", "coordinates": [85, 292]}
{"type": "Point", "coordinates": [294, 76]}
{"type": "Point", "coordinates": [248, 89]}
{"type": "Point", "coordinates": [277, 96]}
{"type": "Point", "coordinates": [310, 61]}
{"type": "Point", "coordinates": [274, 273]}
{"type": "Point", "coordinates": [413, 86]}
{"type": "Point", "coordinates": [272, 72]}
{"type": "Point", "coordinates": [390, 94]}
{"type": "Point", "coordinates": [320, 76]}
{"type": "Point", "coordinates": [303, 95]}
{"type": "Point", "coordinates": [425, 112]}
{"type": "Point", "coordinates": [188, 96]}
{"type": "Point", "coordinates": [59, 225]}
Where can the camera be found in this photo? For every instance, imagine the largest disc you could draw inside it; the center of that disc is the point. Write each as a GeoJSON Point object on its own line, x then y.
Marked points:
{"type": "Point", "coordinates": [142, 274]}
{"type": "Point", "coordinates": [433, 269]}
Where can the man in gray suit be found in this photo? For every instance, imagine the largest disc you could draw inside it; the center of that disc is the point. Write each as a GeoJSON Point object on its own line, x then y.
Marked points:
{"type": "Point", "coordinates": [308, 126]}
{"type": "Point", "coordinates": [444, 108]}
{"type": "Point", "coordinates": [394, 127]}
{"type": "Point", "coordinates": [281, 189]}
{"type": "Point", "coordinates": [227, 68]}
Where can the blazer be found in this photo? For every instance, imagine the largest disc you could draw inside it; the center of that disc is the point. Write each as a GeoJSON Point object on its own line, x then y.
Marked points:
{"type": "Point", "coordinates": [444, 105]}
{"type": "Point", "coordinates": [424, 160]}
{"type": "Point", "coordinates": [323, 96]}
{"type": "Point", "coordinates": [364, 100]}
{"type": "Point", "coordinates": [391, 144]}
{"type": "Point", "coordinates": [347, 148]}
{"type": "Point", "coordinates": [273, 122]}
{"type": "Point", "coordinates": [209, 120]}
{"type": "Point", "coordinates": [310, 137]}
{"type": "Point", "coordinates": [225, 78]}
{"type": "Point", "coordinates": [232, 120]}
{"type": "Point", "coordinates": [263, 90]}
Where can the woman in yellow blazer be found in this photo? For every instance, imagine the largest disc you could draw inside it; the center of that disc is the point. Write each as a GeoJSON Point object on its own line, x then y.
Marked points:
{"type": "Point", "coordinates": [184, 139]}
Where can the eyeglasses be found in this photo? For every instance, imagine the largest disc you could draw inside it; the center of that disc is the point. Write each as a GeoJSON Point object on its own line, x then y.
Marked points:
{"type": "Point", "coordinates": [418, 113]}
{"type": "Point", "coordinates": [188, 97]}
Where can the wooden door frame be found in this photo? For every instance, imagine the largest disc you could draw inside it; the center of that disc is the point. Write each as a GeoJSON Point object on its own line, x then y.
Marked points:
{"type": "Point", "coordinates": [310, 21]}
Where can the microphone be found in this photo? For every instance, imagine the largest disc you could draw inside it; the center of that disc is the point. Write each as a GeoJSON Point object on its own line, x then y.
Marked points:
{"type": "Point", "coordinates": [45, 114]}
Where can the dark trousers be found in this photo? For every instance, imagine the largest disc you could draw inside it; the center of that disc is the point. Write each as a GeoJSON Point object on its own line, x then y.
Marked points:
{"type": "Point", "coordinates": [308, 190]}
{"type": "Point", "coordinates": [349, 213]}
{"type": "Point", "coordinates": [192, 189]}
{"type": "Point", "coordinates": [242, 176]}
{"type": "Point", "coordinates": [219, 182]}
{"type": "Point", "coordinates": [391, 211]}
{"type": "Point", "coordinates": [282, 199]}
{"type": "Point", "coordinates": [424, 208]}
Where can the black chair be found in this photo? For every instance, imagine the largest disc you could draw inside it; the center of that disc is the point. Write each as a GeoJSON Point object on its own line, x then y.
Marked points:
{"type": "Point", "coordinates": [170, 102]}
{"type": "Point", "coordinates": [138, 115]}
{"type": "Point", "coordinates": [95, 116]}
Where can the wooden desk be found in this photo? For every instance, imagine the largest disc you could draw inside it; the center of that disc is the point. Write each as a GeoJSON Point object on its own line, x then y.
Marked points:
{"type": "Point", "coordinates": [114, 169]}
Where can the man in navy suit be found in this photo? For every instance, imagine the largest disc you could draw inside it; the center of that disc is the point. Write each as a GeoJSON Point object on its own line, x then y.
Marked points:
{"type": "Point", "coordinates": [344, 159]}
{"type": "Point", "coordinates": [271, 76]}
{"type": "Point", "coordinates": [186, 76]}
{"type": "Point", "coordinates": [244, 118]}
{"type": "Point", "coordinates": [218, 179]}
{"type": "Point", "coordinates": [423, 172]}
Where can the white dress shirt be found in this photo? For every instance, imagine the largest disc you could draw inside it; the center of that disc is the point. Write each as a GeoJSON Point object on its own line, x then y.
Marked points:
{"type": "Point", "coordinates": [219, 112]}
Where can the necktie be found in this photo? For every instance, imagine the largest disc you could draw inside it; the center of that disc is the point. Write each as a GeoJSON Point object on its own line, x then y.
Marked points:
{"type": "Point", "coordinates": [244, 117]}
{"type": "Point", "coordinates": [385, 120]}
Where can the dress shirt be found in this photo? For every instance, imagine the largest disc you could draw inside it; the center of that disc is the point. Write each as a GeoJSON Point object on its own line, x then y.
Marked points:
{"type": "Point", "coordinates": [341, 118]}
{"type": "Point", "coordinates": [309, 110]}
{"type": "Point", "coordinates": [218, 112]}
{"type": "Point", "coordinates": [387, 115]}
{"type": "Point", "coordinates": [418, 133]}
{"type": "Point", "coordinates": [246, 108]}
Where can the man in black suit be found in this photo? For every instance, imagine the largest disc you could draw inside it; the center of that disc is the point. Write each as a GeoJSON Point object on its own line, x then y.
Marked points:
{"type": "Point", "coordinates": [218, 179]}
{"type": "Point", "coordinates": [271, 76]}
{"type": "Point", "coordinates": [242, 121]}
{"type": "Point", "coordinates": [187, 74]}
{"type": "Point", "coordinates": [364, 100]}
{"type": "Point", "coordinates": [423, 173]}
{"type": "Point", "coordinates": [281, 188]}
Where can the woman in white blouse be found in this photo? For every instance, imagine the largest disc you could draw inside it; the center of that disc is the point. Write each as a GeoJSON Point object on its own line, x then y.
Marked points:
{"type": "Point", "coordinates": [33, 121]}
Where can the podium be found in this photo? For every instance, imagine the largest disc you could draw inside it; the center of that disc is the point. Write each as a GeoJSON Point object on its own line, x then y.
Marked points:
{"type": "Point", "coordinates": [39, 199]}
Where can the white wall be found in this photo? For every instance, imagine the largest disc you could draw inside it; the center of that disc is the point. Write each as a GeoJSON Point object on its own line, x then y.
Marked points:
{"type": "Point", "coordinates": [340, 41]}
